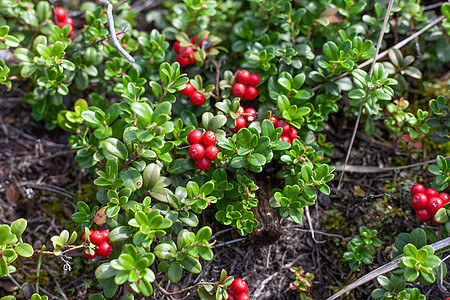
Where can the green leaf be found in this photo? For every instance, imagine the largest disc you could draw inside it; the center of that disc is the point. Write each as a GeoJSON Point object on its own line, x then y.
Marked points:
{"type": "Point", "coordinates": [18, 227]}
{"type": "Point", "coordinates": [24, 250]}
{"type": "Point", "coordinates": [116, 148]}
{"type": "Point", "coordinates": [191, 264]}
{"type": "Point", "coordinates": [217, 122]}
{"type": "Point", "coordinates": [105, 271]}
{"type": "Point", "coordinates": [132, 178]}
{"type": "Point", "coordinates": [164, 251]}
{"type": "Point", "coordinates": [120, 233]}
{"type": "Point", "coordinates": [143, 110]}
{"type": "Point", "coordinates": [175, 272]}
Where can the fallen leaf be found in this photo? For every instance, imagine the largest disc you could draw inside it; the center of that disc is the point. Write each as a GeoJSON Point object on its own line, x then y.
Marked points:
{"type": "Point", "coordinates": [12, 194]}
{"type": "Point", "coordinates": [100, 216]}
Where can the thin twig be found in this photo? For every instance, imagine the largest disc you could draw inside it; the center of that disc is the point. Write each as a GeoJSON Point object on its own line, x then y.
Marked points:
{"type": "Point", "coordinates": [112, 31]}
{"type": "Point", "coordinates": [62, 253]}
{"type": "Point", "coordinates": [370, 169]}
{"type": "Point", "coordinates": [384, 53]}
{"type": "Point", "coordinates": [125, 30]}
{"type": "Point", "coordinates": [183, 290]}
{"type": "Point", "coordinates": [383, 269]}
{"type": "Point", "coordinates": [355, 130]}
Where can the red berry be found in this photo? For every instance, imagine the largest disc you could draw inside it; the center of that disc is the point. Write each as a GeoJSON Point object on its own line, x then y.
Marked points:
{"type": "Point", "coordinates": [104, 249]}
{"type": "Point", "coordinates": [302, 159]}
{"type": "Point", "coordinates": [431, 193]}
{"type": "Point", "coordinates": [273, 119]}
{"type": "Point", "coordinates": [196, 151]}
{"type": "Point", "coordinates": [188, 90]}
{"type": "Point", "coordinates": [231, 295]}
{"type": "Point", "coordinates": [60, 14]}
{"type": "Point", "coordinates": [87, 254]}
{"type": "Point", "coordinates": [434, 204]}
{"type": "Point", "coordinates": [285, 139]}
{"type": "Point", "coordinates": [195, 137]}
{"type": "Point", "coordinates": [211, 152]}
{"type": "Point", "coordinates": [239, 286]}
{"type": "Point", "coordinates": [209, 138]}
{"type": "Point", "coordinates": [435, 222]}
{"type": "Point", "coordinates": [417, 188]}
{"type": "Point", "coordinates": [243, 296]}
{"type": "Point", "coordinates": [254, 79]}
{"type": "Point", "coordinates": [243, 76]}
{"type": "Point", "coordinates": [83, 237]}
{"type": "Point", "coordinates": [250, 93]}
{"type": "Point", "coordinates": [191, 59]}
{"type": "Point", "coordinates": [194, 40]}
{"type": "Point", "coordinates": [292, 134]}
{"type": "Point", "coordinates": [182, 60]}
{"type": "Point", "coordinates": [423, 215]}
{"type": "Point", "coordinates": [197, 99]}
{"type": "Point", "coordinates": [187, 51]}
{"type": "Point", "coordinates": [419, 201]}
{"type": "Point", "coordinates": [177, 47]}
{"type": "Point", "coordinates": [69, 21]}
{"type": "Point", "coordinates": [105, 235]}
{"type": "Point", "coordinates": [240, 123]}
{"type": "Point", "coordinates": [240, 110]}
{"type": "Point", "coordinates": [238, 90]}
{"type": "Point", "coordinates": [203, 163]}
{"type": "Point", "coordinates": [444, 197]}
{"type": "Point", "coordinates": [283, 125]}
{"type": "Point", "coordinates": [251, 114]}
{"type": "Point", "coordinates": [96, 237]}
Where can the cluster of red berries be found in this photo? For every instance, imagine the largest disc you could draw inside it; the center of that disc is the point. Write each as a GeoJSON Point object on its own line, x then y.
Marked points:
{"type": "Point", "coordinates": [186, 54]}
{"type": "Point", "coordinates": [63, 19]}
{"type": "Point", "coordinates": [101, 239]}
{"type": "Point", "coordinates": [199, 141]}
{"type": "Point", "coordinates": [238, 290]}
{"type": "Point", "coordinates": [289, 134]}
{"type": "Point", "coordinates": [245, 115]}
{"type": "Point", "coordinates": [245, 85]}
{"type": "Point", "coordinates": [195, 96]}
{"type": "Point", "coordinates": [426, 202]}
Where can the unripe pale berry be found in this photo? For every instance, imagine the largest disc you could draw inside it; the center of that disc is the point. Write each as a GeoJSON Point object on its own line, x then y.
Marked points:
{"type": "Point", "coordinates": [196, 151]}
{"type": "Point", "coordinates": [195, 137]}
{"type": "Point", "coordinates": [238, 90]}
{"type": "Point", "coordinates": [240, 110]}
{"type": "Point", "coordinates": [243, 76]}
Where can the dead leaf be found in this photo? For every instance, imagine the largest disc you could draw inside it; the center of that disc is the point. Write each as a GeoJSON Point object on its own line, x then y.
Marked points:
{"type": "Point", "coordinates": [100, 216]}
{"type": "Point", "coordinates": [12, 194]}
{"type": "Point", "coordinates": [358, 191]}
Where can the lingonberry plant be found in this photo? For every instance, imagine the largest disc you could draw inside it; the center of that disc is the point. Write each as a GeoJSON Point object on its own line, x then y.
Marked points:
{"type": "Point", "coordinates": [220, 110]}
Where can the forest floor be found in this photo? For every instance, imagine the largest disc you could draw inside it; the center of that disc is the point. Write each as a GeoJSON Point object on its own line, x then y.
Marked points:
{"type": "Point", "coordinates": [40, 181]}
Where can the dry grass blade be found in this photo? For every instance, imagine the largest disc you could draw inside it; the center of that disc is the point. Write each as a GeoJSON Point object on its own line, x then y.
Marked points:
{"type": "Point", "coordinates": [383, 270]}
